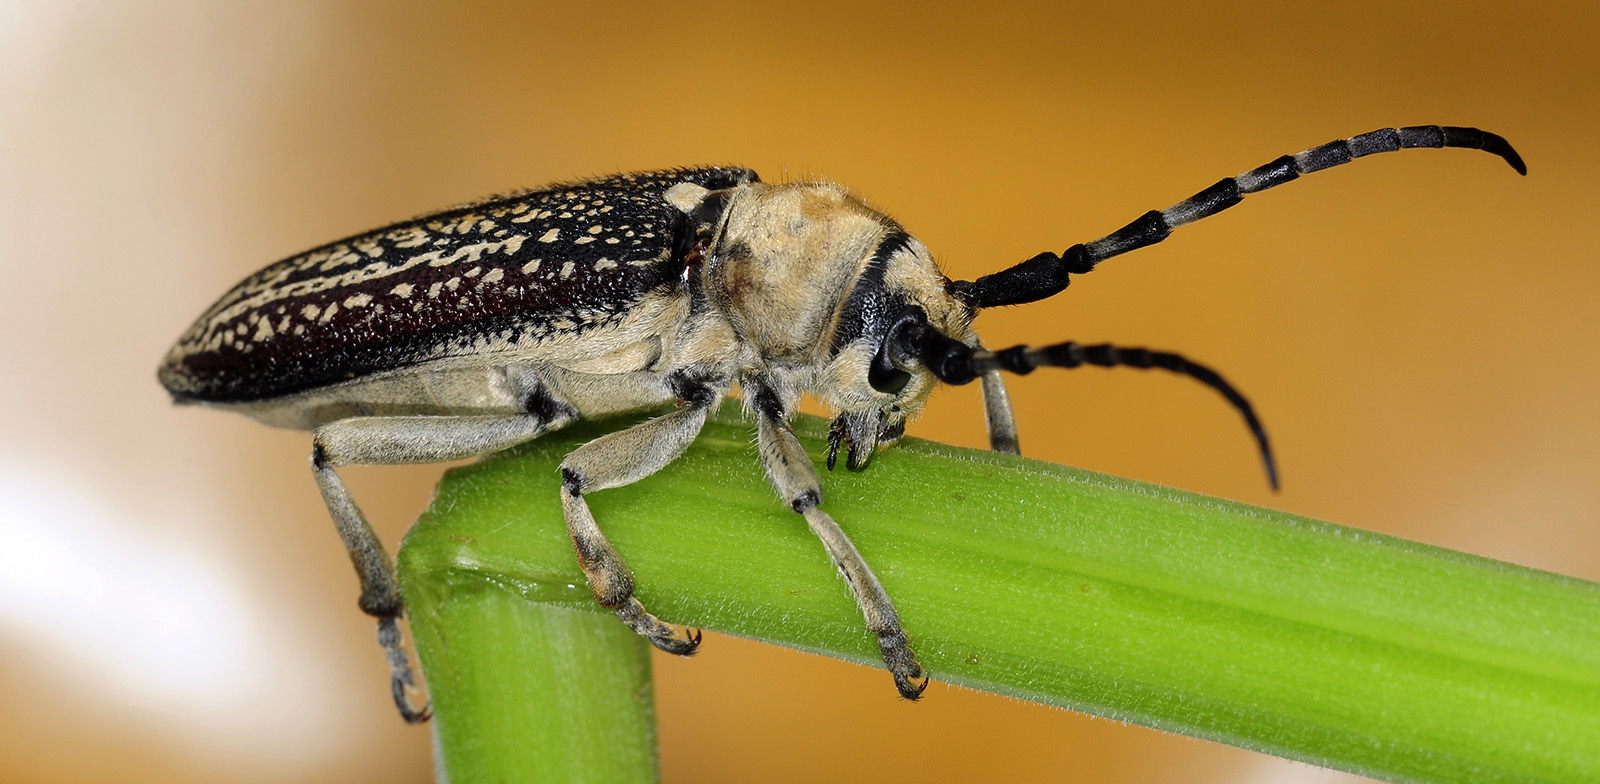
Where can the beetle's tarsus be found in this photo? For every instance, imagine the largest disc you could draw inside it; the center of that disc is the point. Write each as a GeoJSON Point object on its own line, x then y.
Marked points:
{"type": "Point", "coordinates": [402, 678]}
{"type": "Point", "coordinates": [669, 637]}
{"type": "Point", "coordinates": [902, 662]}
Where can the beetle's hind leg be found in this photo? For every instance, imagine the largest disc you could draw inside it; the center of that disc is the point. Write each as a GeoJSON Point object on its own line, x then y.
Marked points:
{"type": "Point", "coordinates": [618, 459]}
{"type": "Point", "coordinates": [395, 441]}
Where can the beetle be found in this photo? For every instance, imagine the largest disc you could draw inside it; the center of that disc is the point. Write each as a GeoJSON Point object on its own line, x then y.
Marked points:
{"type": "Point", "coordinates": [475, 328]}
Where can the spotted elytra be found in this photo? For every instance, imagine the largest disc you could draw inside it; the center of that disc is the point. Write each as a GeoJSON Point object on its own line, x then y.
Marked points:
{"type": "Point", "coordinates": [479, 327]}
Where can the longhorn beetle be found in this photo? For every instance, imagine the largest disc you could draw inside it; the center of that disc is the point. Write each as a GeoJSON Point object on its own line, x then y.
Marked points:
{"type": "Point", "coordinates": [482, 326]}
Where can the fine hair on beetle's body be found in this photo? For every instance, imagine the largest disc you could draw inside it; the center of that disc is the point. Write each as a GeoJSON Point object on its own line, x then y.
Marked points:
{"type": "Point", "coordinates": [483, 326]}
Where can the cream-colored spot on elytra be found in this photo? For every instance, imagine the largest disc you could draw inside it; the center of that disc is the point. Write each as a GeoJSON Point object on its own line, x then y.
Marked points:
{"type": "Point", "coordinates": [333, 307]}
{"type": "Point", "coordinates": [532, 266]}
{"type": "Point", "coordinates": [310, 312]}
{"type": "Point", "coordinates": [357, 300]}
{"type": "Point", "coordinates": [686, 196]}
{"type": "Point", "coordinates": [545, 214]}
{"type": "Point", "coordinates": [402, 291]}
{"type": "Point", "coordinates": [583, 240]}
{"type": "Point", "coordinates": [417, 308]}
{"type": "Point", "coordinates": [409, 237]}
{"type": "Point", "coordinates": [433, 291]}
{"type": "Point", "coordinates": [550, 236]}
{"type": "Point", "coordinates": [340, 256]}
{"type": "Point", "coordinates": [605, 264]}
{"type": "Point", "coordinates": [453, 284]}
{"type": "Point", "coordinates": [494, 275]}
{"type": "Point", "coordinates": [596, 229]}
{"type": "Point", "coordinates": [566, 270]}
{"type": "Point", "coordinates": [263, 331]}
{"type": "Point", "coordinates": [606, 209]}
{"type": "Point", "coordinates": [474, 272]}
{"type": "Point", "coordinates": [612, 240]}
{"type": "Point", "coordinates": [241, 329]}
{"type": "Point", "coordinates": [299, 329]}
{"type": "Point", "coordinates": [284, 324]}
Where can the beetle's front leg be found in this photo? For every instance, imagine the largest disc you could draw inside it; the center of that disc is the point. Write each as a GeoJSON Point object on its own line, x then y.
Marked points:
{"type": "Point", "coordinates": [394, 441]}
{"type": "Point", "coordinates": [618, 459]}
{"type": "Point", "coordinates": [796, 481]}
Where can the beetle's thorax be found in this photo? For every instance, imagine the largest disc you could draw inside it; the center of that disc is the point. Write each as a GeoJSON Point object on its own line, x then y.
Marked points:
{"type": "Point", "coordinates": [786, 259]}
{"type": "Point", "coordinates": [783, 259]}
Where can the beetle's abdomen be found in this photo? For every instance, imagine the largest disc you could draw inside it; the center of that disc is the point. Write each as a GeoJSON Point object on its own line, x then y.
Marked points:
{"type": "Point", "coordinates": [508, 273]}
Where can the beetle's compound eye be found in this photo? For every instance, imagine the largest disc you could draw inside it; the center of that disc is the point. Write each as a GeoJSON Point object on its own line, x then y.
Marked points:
{"type": "Point", "coordinates": [898, 352]}
{"type": "Point", "coordinates": [884, 376]}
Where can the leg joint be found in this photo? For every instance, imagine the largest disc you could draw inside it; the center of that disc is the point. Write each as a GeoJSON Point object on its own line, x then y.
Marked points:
{"type": "Point", "coordinates": [380, 603]}
{"type": "Point", "coordinates": [766, 401]}
{"type": "Point", "coordinates": [806, 501]}
{"type": "Point", "coordinates": [572, 481]}
{"type": "Point", "coordinates": [694, 393]}
{"type": "Point", "coordinates": [547, 409]}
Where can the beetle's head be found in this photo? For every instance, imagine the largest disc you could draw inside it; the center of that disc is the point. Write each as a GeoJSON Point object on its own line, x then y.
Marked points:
{"type": "Point", "coordinates": [870, 377]}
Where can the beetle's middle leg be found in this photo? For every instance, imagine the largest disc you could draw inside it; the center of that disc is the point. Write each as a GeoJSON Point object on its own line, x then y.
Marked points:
{"type": "Point", "coordinates": [619, 459]}
{"type": "Point", "coordinates": [395, 441]}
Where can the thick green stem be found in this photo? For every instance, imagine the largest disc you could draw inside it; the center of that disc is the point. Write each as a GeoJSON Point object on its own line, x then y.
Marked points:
{"type": "Point", "coordinates": [1191, 614]}
{"type": "Point", "coordinates": [525, 690]}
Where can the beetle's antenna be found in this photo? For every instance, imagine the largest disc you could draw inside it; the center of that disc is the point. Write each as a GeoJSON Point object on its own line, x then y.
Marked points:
{"type": "Point", "coordinates": [1045, 275]}
{"type": "Point", "coordinates": [955, 362]}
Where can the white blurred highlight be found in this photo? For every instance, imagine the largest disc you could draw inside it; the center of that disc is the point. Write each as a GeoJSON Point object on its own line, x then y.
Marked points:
{"type": "Point", "coordinates": [147, 622]}
{"type": "Point", "coordinates": [152, 618]}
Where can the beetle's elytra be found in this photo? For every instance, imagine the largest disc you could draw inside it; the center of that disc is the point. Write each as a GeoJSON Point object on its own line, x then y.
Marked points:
{"type": "Point", "coordinates": [472, 329]}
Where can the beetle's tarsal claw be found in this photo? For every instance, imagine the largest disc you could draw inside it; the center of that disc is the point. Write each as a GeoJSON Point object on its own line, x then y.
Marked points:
{"type": "Point", "coordinates": [912, 687]}
{"type": "Point", "coordinates": [669, 637]}
{"type": "Point", "coordinates": [402, 701]}
{"type": "Point", "coordinates": [902, 664]}
{"type": "Point", "coordinates": [401, 679]}
{"type": "Point", "coordinates": [861, 437]}
{"type": "Point", "coordinates": [836, 436]}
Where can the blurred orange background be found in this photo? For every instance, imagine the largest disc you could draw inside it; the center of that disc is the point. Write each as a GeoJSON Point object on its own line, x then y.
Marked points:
{"type": "Point", "coordinates": [1417, 330]}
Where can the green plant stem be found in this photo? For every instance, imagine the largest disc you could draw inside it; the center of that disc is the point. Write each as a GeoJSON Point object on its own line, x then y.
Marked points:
{"type": "Point", "coordinates": [1190, 614]}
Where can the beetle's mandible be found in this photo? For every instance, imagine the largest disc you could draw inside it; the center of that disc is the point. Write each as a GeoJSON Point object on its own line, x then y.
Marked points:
{"type": "Point", "coordinates": [473, 329]}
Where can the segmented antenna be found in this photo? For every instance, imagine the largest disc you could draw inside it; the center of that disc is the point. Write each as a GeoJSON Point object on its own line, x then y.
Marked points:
{"type": "Point", "coordinates": [1045, 275]}
{"type": "Point", "coordinates": [955, 362]}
